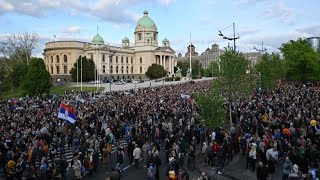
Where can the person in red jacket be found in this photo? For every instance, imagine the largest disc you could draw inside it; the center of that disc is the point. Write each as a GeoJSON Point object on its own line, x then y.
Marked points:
{"type": "Point", "coordinates": [215, 148]}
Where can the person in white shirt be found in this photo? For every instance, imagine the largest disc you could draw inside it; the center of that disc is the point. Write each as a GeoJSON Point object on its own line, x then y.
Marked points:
{"type": "Point", "coordinates": [213, 136]}
{"type": "Point", "coordinates": [136, 156]}
{"type": "Point", "coordinates": [272, 157]}
{"type": "Point", "coordinates": [253, 157]}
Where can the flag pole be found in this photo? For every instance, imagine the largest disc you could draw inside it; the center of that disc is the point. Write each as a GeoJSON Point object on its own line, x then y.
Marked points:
{"type": "Point", "coordinates": [81, 73]}
{"type": "Point", "coordinates": [190, 57]}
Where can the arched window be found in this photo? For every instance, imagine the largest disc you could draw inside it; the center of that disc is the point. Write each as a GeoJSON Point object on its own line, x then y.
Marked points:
{"type": "Point", "coordinates": [111, 69]}
{"type": "Point", "coordinates": [65, 58]}
{"type": "Point", "coordinates": [51, 59]}
{"type": "Point", "coordinates": [141, 60]}
{"type": "Point", "coordinates": [117, 69]}
{"type": "Point", "coordinates": [140, 69]}
{"type": "Point", "coordinates": [110, 59]}
{"type": "Point", "coordinates": [91, 56]}
{"type": "Point", "coordinates": [103, 69]}
{"type": "Point", "coordinates": [121, 69]}
{"type": "Point", "coordinates": [121, 59]}
{"type": "Point", "coordinates": [65, 69]}
{"type": "Point", "coordinates": [116, 59]}
{"type": "Point", "coordinates": [132, 60]}
{"type": "Point", "coordinates": [51, 69]}
{"type": "Point", "coordinates": [132, 69]}
{"type": "Point", "coordinates": [127, 69]}
{"type": "Point", "coordinates": [57, 59]}
{"type": "Point", "coordinates": [103, 58]}
{"type": "Point", "coordinates": [127, 60]}
{"type": "Point", "coordinates": [58, 69]}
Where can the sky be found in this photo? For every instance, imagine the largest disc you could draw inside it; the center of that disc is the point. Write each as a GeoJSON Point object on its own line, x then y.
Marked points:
{"type": "Point", "coordinates": [272, 22]}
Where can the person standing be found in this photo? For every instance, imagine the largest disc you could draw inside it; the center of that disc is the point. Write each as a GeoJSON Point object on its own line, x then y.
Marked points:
{"type": "Point", "coordinates": [253, 157]}
{"type": "Point", "coordinates": [286, 167]}
{"type": "Point", "coordinates": [136, 156]}
{"type": "Point", "coordinates": [262, 173]}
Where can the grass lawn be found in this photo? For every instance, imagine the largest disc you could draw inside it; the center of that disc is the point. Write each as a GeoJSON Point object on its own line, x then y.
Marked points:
{"type": "Point", "coordinates": [58, 90]}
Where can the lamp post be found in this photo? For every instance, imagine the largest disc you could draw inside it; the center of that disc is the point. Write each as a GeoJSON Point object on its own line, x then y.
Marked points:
{"type": "Point", "coordinates": [260, 50]}
{"type": "Point", "coordinates": [110, 73]}
{"type": "Point", "coordinates": [234, 38]}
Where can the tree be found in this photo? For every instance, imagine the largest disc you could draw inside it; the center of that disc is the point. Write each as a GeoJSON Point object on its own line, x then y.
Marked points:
{"type": "Point", "coordinates": [156, 71]}
{"type": "Point", "coordinates": [233, 82]}
{"type": "Point", "coordinates": [196, 69]}
{"type": "Point", "coordinates": [37, 80]}
{"type": "Point", "coordinates": [301, 61]}
{"type": "Point", "coordinates": [184, 67]}
{"type": "Point", "coordinates": [18, 48]}
{"type": "Point", "coordinates": [17, 74]}
{"type": "Point", "coordinates": [270, 69]}
{"type": "Point", "coordinates": [88, 68]}
{"type": "Point", "coordinates": [212, 111]}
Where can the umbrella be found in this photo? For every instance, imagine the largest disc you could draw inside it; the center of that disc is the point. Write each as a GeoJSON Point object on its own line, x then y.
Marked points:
{"type": "Point", "coordinates": [313, 122]}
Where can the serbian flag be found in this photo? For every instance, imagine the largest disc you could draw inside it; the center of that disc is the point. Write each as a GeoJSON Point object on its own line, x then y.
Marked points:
{"type": "Point", "coordinates": [66, 113]}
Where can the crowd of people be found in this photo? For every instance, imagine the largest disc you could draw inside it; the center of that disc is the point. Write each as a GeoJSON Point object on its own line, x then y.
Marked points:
{"type": "Point", "coordinates": [269, 126]}
{"type": "Point", "coordinates": [33, 139]}
{"type": "Point", "coordinates": [273, 126]}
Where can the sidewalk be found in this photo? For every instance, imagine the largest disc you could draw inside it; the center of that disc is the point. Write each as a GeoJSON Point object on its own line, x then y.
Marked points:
{"type": "Point", "coordinates": [235, 170]}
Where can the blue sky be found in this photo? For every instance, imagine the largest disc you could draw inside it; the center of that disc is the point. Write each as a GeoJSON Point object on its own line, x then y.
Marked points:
{"type": "Point", "coordinates": [272, 21]}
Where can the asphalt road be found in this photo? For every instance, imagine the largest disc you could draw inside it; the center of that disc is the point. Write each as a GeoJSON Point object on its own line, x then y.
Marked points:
{"type": "Point", "coordinates": [114, 87]}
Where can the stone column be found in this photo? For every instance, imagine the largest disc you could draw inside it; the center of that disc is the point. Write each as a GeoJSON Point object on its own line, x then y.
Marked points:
{"type": "Point", "coordinates": [161, 60]}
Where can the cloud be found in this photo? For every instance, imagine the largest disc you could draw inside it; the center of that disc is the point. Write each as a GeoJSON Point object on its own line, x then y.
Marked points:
{"type": "Point", "coordinates": [165, 2]}
{"type": "Point", "coordinates": [72, 29]}
{"type": "Point", "coordinates": [115, 11]}
{"type": "Point", "coordinates": [279, 10]}
{"type": "Point", "coordinates": [313, 30]}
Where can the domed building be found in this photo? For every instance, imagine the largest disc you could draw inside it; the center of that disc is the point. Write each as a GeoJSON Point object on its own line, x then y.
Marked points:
{"type": "Point", "coordinates": [126, 62]}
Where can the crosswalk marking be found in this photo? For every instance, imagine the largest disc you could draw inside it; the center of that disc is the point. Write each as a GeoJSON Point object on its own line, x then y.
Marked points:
{"type": "Point", "coordinates": [69, 152]}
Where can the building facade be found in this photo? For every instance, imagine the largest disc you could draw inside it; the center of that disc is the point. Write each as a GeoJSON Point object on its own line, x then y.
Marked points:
{"type": "Point", "coordinates": [314, 42]}
{"type": "Point", "coordinates": [213, 55]}
{"type": "Point", "coordinates": [126, 62]}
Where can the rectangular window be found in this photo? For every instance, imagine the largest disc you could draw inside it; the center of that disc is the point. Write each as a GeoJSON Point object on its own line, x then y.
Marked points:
{"type": "Point", "coordinates": [139, 36]}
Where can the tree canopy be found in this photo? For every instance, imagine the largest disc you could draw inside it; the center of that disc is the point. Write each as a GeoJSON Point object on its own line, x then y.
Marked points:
{"type": "Point", "coordinates": [37, 80]}
{"type": "Point", "coordinates": [156, 71]}
{"type": "Point", "coordinates": [301, 61]}
{"type": "Point", "coordinates": [184, 67]}
{"type": "Point", "coordinates": [88, 68]}
{"type": "Point", "coordinates": [270, 69]}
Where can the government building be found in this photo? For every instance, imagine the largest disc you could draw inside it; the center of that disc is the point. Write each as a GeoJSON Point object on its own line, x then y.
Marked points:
{"type": "Point", "coordinates": [213, 55]}
{"type": "Point", "coordinates": [126, 62]}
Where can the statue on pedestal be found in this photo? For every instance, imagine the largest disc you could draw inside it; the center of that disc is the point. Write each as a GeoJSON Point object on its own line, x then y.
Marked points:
{"type": "Point", "coordinates": [178, 72]}
{"type": "Point", "coordinates": [189, 73]}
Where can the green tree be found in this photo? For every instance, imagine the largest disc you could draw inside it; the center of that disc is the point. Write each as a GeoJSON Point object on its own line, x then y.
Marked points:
{"type": "Point", "coordinates": [233, 82]}
{"type": "Point", "coordinates": [156, 71]}
{"type": "Point", "coordinates": [19, 71]}
{"type": "Point", "coordinates": [37, 80]}
{"type": "Point", "coordinates": [196, 69]}
{"type": "Point", "coordinates": [270, 69]}
{"type": "Point", "coordinates": [184, 67]}
{"type": "Point", "coordinates": [212, 110]}
{"type": "Point", "coordinates": [301, 61]}
{"type": "Point", "coordinates": [88, 68]}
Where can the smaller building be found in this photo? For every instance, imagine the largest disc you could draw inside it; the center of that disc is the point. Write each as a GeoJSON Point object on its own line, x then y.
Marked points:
{"type": "Point", "coordinates": [314, 42]}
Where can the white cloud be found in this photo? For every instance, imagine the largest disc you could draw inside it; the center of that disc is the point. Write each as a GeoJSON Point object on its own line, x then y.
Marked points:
{"type": "Point", "coordinates": [279, 10]}
{"type": "Point", "coordinates": [72, 29]}
{"type": "Point", "coordinates": [312, 30]}
{"type": "Point", "coordinates": [165, 2]}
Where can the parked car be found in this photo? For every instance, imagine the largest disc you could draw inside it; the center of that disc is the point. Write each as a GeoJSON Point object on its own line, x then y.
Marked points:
{"type": "Point", "coordinates": [135, 81]}
{"type": "Point", "coordinates": [141, 81]}
{"type": "Point", "coordinates": [120, 82]}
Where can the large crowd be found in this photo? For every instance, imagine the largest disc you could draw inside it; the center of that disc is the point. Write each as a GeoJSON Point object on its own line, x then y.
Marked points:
{"type": "Point", "coordinates": [269, 127]}
{"type": "Point", "coordinates": [33, 139]}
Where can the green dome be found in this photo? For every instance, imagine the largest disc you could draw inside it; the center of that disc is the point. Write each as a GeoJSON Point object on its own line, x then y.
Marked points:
{"type": "Point", "coordinates": [146, 22]}
{"type": "Point", "coordinates": [125, 39]}
{"type": "Point", "coordinates": [97, 40]}
{"type": "Point", "coordinates": [165, 40]}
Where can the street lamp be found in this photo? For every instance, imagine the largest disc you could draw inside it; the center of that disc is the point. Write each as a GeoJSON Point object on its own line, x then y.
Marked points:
{"type": "Point", "coordinates": [234, 38]}
{"type": "Point", "coordinates": [110, 73]}
{"type": "Point", "coordinates": [260, 50]}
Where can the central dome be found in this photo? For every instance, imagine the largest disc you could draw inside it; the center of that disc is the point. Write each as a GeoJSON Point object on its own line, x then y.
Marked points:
{"type": "Point", "coordinates": [97, 40]}
{"type": "Point", "coordinates": [146, 22]}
